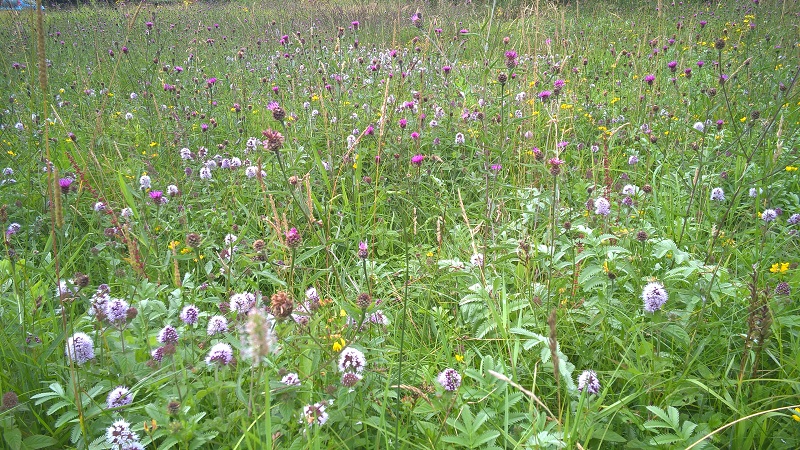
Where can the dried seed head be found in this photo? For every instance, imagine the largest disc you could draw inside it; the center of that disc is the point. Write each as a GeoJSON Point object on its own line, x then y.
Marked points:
{"type": "Point", "coordinates": [281, 305]}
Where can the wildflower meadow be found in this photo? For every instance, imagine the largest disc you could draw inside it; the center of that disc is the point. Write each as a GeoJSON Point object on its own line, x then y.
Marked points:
{"type": "Point", "coordinates": [340, 224]}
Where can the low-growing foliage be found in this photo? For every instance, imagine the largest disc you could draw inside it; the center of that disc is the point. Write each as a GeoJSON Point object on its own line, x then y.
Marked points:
{"type": "Point", "coordinates": [400, 225]}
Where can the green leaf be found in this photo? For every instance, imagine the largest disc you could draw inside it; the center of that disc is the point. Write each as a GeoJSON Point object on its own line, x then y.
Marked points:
{"type": "Point", "coordinates": [129, 200]}
{"type": "Point", "coordinates": [39, 441]}
{"type": "Point", "coordinates": [13, 438]}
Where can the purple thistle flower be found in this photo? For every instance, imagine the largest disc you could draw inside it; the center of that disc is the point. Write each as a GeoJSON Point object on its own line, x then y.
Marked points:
{"type": "Point", "coordinates": [416, 160]}
{"type": "Point", "coordinates": [157, 197]}
{"type": "Point", "coordinates": [65, 184]}
{"type": "Point", "coordinates": [545, 95]}
{"type": "Point", "coordinates": [511, 59]}
{"type": "Point", "coordinates": [673, 65]}
{"type": "Point", "coordinates": [649, 79]}
{"type": "Point", "coordinates": [293, 238]}
{"type": "Point", "coordinates": [449, 379]}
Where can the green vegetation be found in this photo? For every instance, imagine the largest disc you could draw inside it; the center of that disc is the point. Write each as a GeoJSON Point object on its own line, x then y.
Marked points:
{"type": "Point", "coordinates": [401, 225]}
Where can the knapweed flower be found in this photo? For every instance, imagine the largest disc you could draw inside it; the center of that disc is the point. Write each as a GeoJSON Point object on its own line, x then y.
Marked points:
{"type": "Point", "coordinates": [602, 206]}
{"type": "Point", "coordinates": [544, 95]}
{"type": "Point", "coordinates": [118, 397]}
{"type": "Point", "coordinates": [291, 379]}
{"type": "Point", "coordinates": [717, 194]}
{"type": "Point", "coordinates": [511, 59]}
{"type": "Point", "coordinates": [221, 354]}
{"type": "Point", "coordinates": [363, 250]}
{"type": "Point", "coordinates": [217, 325]}
{"type": "Point", "coordinates": [769, 215]}
{"type": "Point", "coordinates": [189, 314]}
{"type": "Point", "coordinates": [293, 238]}
{"type": "Point", "coordinates": [449, 379]}
{"type": "Point", "coordinates": [119, 434]}
{"type": "Point", "coordinates": [555, 165]}
{"type": "Point", "coordinates": [649, 79]}
{"type": "Point", "coordinates": [65, 184]}
{"type": "Point", "coordinates": [157, 197]}
{"type": "Point", "coordinates": [654, 296]}
{"type": "Point", "coordinates": [315, 414]}
{"type": "Point", "coordinates": [80, 348]}
{"type": "Point", "coordinates": [168, 335]}
{"type": "Point", "coordinates": [588, 380]}
{"type": "Point", "coordinates": [416, 160]}
{"type": "Point", "coordinates": [352, 360]}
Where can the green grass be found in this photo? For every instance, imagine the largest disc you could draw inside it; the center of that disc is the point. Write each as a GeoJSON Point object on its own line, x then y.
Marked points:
{"type": "Point", "coordinates": [488, 256]}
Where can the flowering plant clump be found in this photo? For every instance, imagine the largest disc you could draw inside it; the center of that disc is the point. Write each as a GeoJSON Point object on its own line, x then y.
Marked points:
{"type": "Point", "coordinates": [233, 226]}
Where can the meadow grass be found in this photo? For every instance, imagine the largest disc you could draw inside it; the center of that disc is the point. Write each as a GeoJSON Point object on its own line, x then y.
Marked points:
{"type": "Point", "coordinates": [330, 224]}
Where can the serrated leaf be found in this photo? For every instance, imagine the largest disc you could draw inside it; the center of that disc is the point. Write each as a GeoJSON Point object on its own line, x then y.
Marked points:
{"type": "Point", "coordinates": [56, 406]}
{"type": "Point", "coordinates": [665, 439]}
{"type": "Point", "coordinates": [66, 417]}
